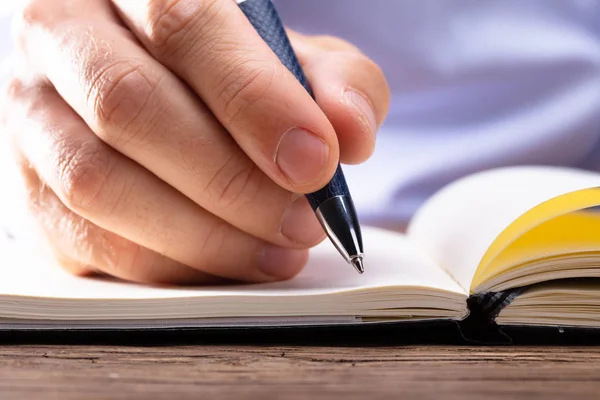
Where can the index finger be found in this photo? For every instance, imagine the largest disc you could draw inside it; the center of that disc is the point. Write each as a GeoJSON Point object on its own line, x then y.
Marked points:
{"type": "Point", "coordinates": [213, 47]}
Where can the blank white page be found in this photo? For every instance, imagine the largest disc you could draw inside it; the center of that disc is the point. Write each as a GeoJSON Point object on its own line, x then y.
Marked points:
{"type": "Point", "coordinates": [458, 224]}
{"type": "Point", "coordinates": [391, 260]}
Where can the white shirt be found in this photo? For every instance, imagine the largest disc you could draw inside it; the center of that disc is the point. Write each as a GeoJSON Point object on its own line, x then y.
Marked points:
{"type": "Point", "coordinates": [476, 84]}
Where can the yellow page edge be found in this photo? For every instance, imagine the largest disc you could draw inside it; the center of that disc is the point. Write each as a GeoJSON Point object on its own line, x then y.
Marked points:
{"type": "Point", "coordinates": [566, 203]}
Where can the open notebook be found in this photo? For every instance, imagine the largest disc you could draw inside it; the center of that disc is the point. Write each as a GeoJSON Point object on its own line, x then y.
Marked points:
{"type": "Point", "coordinates": [520, 244]}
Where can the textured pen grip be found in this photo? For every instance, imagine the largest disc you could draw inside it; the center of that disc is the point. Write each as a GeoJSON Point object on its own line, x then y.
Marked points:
{"type": "Point", "coordinates": [264, 18]}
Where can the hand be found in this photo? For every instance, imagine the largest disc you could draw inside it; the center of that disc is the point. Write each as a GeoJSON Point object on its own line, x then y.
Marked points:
{"type": "Point", "coordinates": [161, 141]}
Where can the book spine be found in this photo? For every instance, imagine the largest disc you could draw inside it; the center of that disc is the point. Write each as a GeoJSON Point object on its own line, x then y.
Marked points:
{"type": "Point", "coordinates": [480, 326]}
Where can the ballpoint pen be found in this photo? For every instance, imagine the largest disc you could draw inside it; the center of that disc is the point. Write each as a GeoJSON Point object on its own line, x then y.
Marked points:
{"type": "Point", "coordinates": [332, 204]}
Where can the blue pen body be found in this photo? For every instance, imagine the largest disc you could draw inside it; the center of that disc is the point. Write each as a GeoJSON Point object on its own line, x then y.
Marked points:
{"type": "Point", "coordinates": [332, 204]}
{"type": "Point", "coordinates": [263, 16]}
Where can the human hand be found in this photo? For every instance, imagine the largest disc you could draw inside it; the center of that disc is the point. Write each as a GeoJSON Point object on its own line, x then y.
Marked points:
{"type": "Point", "coordinates": [161, 141]}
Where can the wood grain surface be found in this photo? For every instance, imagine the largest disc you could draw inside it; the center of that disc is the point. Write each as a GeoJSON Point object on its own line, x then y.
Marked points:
{"type": "Point", "coordinates": [284, 372]}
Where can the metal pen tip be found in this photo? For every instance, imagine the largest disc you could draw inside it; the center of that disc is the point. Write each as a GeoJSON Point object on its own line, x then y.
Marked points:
{"type": "Point", "coordinates": [357, 263]}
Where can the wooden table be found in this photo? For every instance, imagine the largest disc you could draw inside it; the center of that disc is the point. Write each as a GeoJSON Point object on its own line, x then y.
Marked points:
{"type": "Point", "coordinates": [292, 372]}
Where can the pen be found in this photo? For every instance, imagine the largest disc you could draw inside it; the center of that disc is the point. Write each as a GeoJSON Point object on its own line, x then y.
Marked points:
{"type": "Point", "coordinates": [332, 204]}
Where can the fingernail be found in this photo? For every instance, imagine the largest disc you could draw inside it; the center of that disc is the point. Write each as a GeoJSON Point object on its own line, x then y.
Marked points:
{"type": "Point", "coordinates": [280, 263]}
{"type": "Point", "coordinates": [302, 156]}
{"type": "Point", "coordinates": [364, 108]}
{"type": "Point", "coordinates": [299, 223]}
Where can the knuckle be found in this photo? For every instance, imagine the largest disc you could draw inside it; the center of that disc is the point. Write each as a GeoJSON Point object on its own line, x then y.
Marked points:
{"type": "Point", "coordinates": [169, 19]}
{"type": "Point", "coordinates": [13, 89]}
{"type": "Point", "coordinates": [83, 175]}
{"type": "Point", "coordinates": [31, 13]}
{"type": "Point", "coordinates": [19, 102]}
{"type": "Point", "coordinates": [244, 85]}
{"type": "Point", "coordinates": [236, 184]}
{"type": "Point", "coordinates": [118, 93]}
{"type": "Point", "coordinates": [19, 94]}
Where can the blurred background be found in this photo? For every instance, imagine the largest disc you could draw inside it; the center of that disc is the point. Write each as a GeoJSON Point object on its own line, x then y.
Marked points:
{"type": "Point", "coordinates": [5, 11]}
{"type": "Point", "coordinates": [475, 85]}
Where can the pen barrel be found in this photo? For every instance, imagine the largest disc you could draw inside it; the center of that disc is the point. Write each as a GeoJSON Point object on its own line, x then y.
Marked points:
{"type": "Point", "coordinates": [263, 16]}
